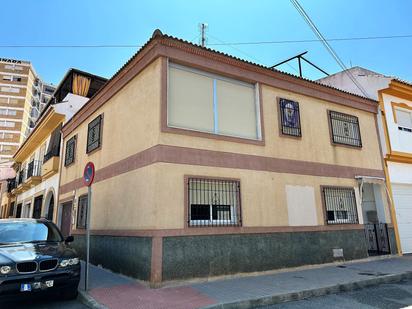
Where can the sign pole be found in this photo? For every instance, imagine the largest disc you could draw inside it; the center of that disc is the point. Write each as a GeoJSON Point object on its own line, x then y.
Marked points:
{"type": "Point", "coordinates": [89, 201]}
{"type": "Point", "coordinates": [88, 177]}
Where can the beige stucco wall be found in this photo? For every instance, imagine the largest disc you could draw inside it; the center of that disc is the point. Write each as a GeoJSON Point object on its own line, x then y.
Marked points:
{"type": "Point", "coordinates": [153, 197]}
{"type": "Point", "coordinates": [131, 124]}
{"type": "Point", "coordinates": [315, 144]}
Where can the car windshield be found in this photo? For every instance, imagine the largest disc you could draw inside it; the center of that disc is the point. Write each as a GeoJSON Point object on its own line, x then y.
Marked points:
{"type": "Point", "coordinates": [24, 231]}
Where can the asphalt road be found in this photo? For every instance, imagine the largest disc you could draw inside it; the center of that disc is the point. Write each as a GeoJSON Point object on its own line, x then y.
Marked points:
{"type": "Point", "coordinates": [388, 296]}
{"type": "Point", "coordinates": [44, 303]}
{"type": "Point", "coordinates": [385, 296]}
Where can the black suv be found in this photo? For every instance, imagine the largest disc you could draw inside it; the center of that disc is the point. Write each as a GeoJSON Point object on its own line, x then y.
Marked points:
{"type": "Point", "coordinates": [34, 258]}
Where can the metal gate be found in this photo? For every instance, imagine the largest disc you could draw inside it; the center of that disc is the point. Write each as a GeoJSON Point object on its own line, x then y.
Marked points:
{"type": "Point", "coordinates": [377, 238]}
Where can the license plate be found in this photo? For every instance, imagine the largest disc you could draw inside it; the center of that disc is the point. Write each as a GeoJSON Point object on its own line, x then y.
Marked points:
{"type": "Point", "coordinates": [25, 287]}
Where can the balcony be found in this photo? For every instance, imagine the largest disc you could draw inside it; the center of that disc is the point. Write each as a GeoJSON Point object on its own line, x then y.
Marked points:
{"type": "Point", "coordinates": [51, 163]}
{"type": "Point", "coordinates": [33, 173]}
{"type": "Point", "coordinates": [34, 113]}
{"type": "Point", "coordinates": [11, 185]}
{"type": "Point", "coordinates": [21, 186]}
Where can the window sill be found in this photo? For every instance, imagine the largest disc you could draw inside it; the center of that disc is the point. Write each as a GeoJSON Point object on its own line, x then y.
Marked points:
{"type": "Point", "coordinates": [341, 223]}
{"type": "Point", "coordinates": [89, 153]}
{"type": "Point", "coordinates": [347, 145]}
{"type": "Point", "coordinates": [228, 138]}
{"type": "Point", "coordinates": [69, 164]}
{"type": "Point", "coordinates": [208, 226]}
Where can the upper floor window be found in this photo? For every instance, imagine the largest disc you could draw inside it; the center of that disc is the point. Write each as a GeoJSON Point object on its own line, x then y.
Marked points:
{"type": "Point", "coordinates": [4, 135]}
{"type": "Point", "coordinates": [10, 89]}
{"type": "Point", "coordinates": [13, 101]}
{"type": "Point", "coordinates": [345, 129]}
{"type": "Point", "coordinates": [94, 134]}
{"type": "Point", "coordinates": [11, 112]}
{"type": "Point", "coordinates": [290, 117]}
{"type": "Point", "coordinates": [213, 202]}
{"type": "Point", "coordinates": [8, 124]}
{"type": "Point", "coordinates": [404, 119]}
{"type": "Point", "coordinates": [211, 103]}
{"type": "Point", "coordinates": [340, 204]}
{"type": "Point", "coordinates": [13, 67]}
{"type": "Point", "coordinates": [12, 78]}
{"type": "Point", "coordinates": [70, 151]}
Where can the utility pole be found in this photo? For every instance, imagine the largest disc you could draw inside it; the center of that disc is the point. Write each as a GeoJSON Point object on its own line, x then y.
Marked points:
{"type": "Point", "coordinates": [202, 28]}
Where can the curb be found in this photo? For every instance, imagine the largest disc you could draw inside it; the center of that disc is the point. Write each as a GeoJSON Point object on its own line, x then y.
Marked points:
{"type": "Point", "coordinates": [89, 301]}
{"type": "Point", "coordinates": [282, 298]}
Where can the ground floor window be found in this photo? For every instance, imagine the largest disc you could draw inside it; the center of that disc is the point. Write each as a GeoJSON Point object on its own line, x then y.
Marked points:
{"type": "Point", "coordinates": [340, 204]}
{"type": "Point", "coordinates": [82, 212]}
{"type": "Point", "coordinates": [213, 202]}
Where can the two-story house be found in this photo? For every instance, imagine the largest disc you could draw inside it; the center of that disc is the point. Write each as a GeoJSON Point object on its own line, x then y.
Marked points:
{"type": "Point", "coordinates": [395, 128]}
{"type": "Point", "coordinates": [33, 193]}
{"type": "Point", "coordinates": [209, 165]}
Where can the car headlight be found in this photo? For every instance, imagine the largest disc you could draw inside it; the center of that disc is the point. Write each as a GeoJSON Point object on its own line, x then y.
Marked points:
{"type": "Point", "coordinates": [67, 262]}
{"type": "Point", "coordinates": [4, 270]}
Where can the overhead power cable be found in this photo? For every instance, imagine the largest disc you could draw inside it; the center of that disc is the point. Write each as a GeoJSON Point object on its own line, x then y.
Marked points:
{"type": "Point", "coordinates": [314, 40]}
{"type": "Point", "coordinates": [242, 52]}
{"type": "Point", "coordinates": [328, 47]}
{"type": "Point", "coordinates": [210, 44]}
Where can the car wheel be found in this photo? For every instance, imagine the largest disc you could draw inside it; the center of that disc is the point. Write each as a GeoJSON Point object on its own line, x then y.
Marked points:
{"type": "Point", "coordinates": [70, 294]}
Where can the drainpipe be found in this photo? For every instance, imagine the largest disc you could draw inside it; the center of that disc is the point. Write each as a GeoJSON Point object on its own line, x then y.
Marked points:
{"type": "Point", "coordinates": [388, 188]}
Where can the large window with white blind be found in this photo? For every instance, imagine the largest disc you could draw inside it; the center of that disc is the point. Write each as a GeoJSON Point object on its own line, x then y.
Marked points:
{"type": "Point", "coordinates": [404, 119]}
{"type": "Point", "coordinates": [211, 103]}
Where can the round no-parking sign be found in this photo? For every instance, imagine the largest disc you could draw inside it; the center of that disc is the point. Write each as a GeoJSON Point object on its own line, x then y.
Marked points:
{"type": "Point", "coordinates": [88, 174]}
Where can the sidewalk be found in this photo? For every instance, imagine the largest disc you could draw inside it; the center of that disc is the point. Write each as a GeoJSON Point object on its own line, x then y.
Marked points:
{"type": "Point", "coordinates": [115, 291]}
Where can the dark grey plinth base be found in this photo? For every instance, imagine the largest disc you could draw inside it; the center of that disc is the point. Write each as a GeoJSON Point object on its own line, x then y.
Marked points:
{"type": "Point", "coordinates": [130, 256]}
{"type": "Point", "coordinates": [186, 257]}
{"type": "Point", "coordinates": [203, 256]}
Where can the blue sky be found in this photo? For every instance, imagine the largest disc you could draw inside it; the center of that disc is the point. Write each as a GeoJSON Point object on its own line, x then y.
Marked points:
{"type": "Point", "coordinates": [50, 22]}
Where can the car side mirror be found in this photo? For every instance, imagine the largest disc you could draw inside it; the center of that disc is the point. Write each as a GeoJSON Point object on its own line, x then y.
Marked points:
{"type": "Point", "coordinates": [69, 239]}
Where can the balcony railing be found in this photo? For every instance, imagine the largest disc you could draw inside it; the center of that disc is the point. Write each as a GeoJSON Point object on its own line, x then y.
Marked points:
{"type": "Point", "coordinates": [11, 184]}
{"type": "Point", "coordinates": [20, 177]}
{"type": "Point", "coordinates": [34, 168]}
{"type": "Point", "coordinates": [54, 152]}
{"type": "Point", "coordinates": [34, 113]}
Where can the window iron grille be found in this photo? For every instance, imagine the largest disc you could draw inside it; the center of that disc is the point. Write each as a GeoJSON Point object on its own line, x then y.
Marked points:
{"type": "Point", "coordinates": [70, 151]}
{"type": "Point", "coordinates": [345, 129]}
{"type": "Point", "coordinates": [213, 202]}
{"type": "Point", "coordinates": [340, 205]}
{"type": "Point", "coordinates": [290, 117]}
{"type": "Point", "coordinates": [94, 134]}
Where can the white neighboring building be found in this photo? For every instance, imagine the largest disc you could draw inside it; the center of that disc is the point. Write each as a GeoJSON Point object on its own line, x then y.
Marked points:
{"type": "Point", "coordinates": [395, 130]}
{"type": "Point", "coordinates": [33, 192]}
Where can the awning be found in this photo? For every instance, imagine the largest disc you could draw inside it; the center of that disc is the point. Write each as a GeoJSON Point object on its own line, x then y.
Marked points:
{"type": "Point", "coordinates": [370, 179]}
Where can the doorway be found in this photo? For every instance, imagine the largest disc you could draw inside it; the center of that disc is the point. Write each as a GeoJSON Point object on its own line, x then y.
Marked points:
{"type": "Point", "coordinates": [18, 211]}
{"type": "Point", "coordinates": [376, 228]}
{"type": "Point", "coordinates": [38, 201]}
{"type": "Point", "coordinates": [66, 218]}
{"type": "Point", "coordinates": [49, 206]}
